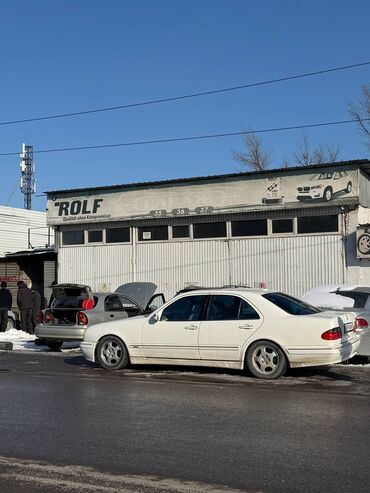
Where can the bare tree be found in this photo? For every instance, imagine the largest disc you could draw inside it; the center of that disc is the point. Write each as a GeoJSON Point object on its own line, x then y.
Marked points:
{"type": "Point", "coordinates": [254, 157]}
{"type": "Point", "coordinates": [361, 112]}
{"type": "Point", "coordinates": [308, 155]}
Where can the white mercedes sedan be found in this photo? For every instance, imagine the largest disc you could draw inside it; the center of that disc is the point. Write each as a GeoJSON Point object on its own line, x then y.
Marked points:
{"type": "Point", "coordinates": [262, 331]}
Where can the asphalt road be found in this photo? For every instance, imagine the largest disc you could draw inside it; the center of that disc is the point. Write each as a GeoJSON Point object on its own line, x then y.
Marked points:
{"type": "Point", "coordinates": [66, 425]}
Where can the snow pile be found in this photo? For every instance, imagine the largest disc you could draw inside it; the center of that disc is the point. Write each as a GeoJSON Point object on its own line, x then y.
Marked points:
{"type": "Point", "coordinates": [24, 341]}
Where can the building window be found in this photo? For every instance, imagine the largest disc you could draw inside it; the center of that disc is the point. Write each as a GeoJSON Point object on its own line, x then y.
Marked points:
{"type": "Point", "coordinates": [317, 224]}
{"type": "Point", "coordinates": [95, 236]}
{"type": "Point", "coordinates": [153, 233]}
{"type": "Point", "coordinates": [209, 230]}
{"type": "Point", "coordinates": [182, 231]}
{"type": "Point", "coordinates": [253, 227]}
{"type": "Point", "coordinates": [282, 226]}
{"type": "Point", "coordinates": [117, 235]}
{"type": "Point", "coordinates": [73, 237]}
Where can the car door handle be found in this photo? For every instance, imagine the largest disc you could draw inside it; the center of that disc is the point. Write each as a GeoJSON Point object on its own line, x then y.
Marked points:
{"type": "Point", "coordinates": [111, 315]}
{"type": "Point", "coordinates": [246, 326]}
{"type": "Point", "coordinates": [191, 327]}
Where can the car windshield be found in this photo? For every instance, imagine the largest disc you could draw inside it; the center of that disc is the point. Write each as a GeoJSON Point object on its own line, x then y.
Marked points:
{"type": "Point", "coordinates": [291, 305]}
{"type": "Point", "coordinates": [322, 176]}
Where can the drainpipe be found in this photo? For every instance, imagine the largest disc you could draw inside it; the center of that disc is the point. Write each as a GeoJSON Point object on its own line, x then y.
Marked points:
{"type": "Point", "coordinates": [134, 253]}
{"type": "Point", "coordinates": [345, 232]}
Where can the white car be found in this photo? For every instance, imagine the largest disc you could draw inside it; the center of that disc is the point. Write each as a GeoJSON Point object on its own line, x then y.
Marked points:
{"type": "Point", "coordinates": [324, 186]}
{"type": "Point", "coordinates": [349, 298]}
{"type": "Point", "coordinates": [261, 330]}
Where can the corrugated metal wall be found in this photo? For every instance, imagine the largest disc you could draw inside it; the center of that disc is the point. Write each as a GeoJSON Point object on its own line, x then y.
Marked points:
{"type": "Point", "coordinates": [15, 224]}
{"type": "Point", "coordinates": [292, 264]}
{"type": "Point", "coordinates": [49, 277]}
{"type": "Point", "coordinates": [103, 268]}
{"type": "Point", "coordinates": [175, 265]}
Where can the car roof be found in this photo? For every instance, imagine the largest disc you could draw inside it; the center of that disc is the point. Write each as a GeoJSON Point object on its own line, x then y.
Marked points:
{"type": "Point", "coordinates": [225, 289]}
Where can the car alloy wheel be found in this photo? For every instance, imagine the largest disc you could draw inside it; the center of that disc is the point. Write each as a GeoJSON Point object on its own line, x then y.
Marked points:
{"type": "Point", "coordinates": [266, 360]}
{"type": "Point", "coordinates": [112, 353]}
{"type": "Point", "coordinates": [328, 193]}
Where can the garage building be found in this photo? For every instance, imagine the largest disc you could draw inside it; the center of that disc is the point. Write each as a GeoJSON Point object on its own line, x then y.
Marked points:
{"type": "Point", "coordinates": [288, 229]}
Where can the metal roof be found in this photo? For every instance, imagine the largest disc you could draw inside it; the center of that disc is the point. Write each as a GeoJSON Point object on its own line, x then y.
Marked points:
{"type": "Point", "coordinates": [363, 164]}
{"type": "Point", "coordinates": [34, 251]}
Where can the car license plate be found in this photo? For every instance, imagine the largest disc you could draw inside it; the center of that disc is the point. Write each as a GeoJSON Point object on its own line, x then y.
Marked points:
{"type": "Point", "coordinates": [348, 327]}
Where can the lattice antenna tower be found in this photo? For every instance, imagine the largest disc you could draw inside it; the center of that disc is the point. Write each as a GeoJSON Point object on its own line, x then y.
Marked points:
{"type": "Point", "coordinates": [28, 182]}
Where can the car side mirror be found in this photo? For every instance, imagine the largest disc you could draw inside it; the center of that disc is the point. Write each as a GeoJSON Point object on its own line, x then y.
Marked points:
{"type": "Point", "coordinates": [154, 319]}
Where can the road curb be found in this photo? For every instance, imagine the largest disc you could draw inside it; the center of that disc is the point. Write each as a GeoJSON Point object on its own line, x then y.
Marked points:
{"type": "Point", "coordinates": [6, 346]}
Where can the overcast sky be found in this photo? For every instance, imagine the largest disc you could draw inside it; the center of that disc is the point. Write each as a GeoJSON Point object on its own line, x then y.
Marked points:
{"type": "Point", "coordinates": [74, 55]}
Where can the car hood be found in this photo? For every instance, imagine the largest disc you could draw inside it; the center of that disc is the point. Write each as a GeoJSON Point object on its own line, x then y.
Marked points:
{"type": "Point", "coordinates": [139, 292]}
{"type": "Point", "coordinates": [311, 183]}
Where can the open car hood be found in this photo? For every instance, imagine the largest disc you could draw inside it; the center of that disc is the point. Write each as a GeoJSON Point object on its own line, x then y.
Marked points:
{"type": "Point", "coordinates": [139, 292]}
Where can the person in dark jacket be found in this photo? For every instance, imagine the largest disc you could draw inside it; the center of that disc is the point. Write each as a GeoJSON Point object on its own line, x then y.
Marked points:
{"type": "Point", "coordinates": [5, 305]}
{"type": "Point", "coordinates": [25, 305]}
{"type": "Point", "coordinates": [36, 306]}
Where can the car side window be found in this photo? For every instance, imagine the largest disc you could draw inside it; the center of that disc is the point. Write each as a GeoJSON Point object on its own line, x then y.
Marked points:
{"type": "Point", "coordinates": [291, 305]}
{"type": "Point", "coordinates": [247, 312]}
{"type": "Point", "coordinates": [184, 309]}
{"type": "Point", "coordinates": [223, 307]}
{"type": "Point", "coordinates": [226, 307]}
{"type": "Point", "coordinates": [129, 307]}
{"type": "Point", "coordinates": [113, 304]}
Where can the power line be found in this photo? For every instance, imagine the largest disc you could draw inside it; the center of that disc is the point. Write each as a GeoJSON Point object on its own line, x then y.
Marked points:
{"type": "Point", "coordinates": [184, 139]}
{"type": "Point", "coordinates": [186, 96]}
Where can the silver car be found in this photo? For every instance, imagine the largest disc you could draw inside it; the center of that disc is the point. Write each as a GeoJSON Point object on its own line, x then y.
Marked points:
{"type": "Point", "coordinates": [73, 307]}
{"type": "Point", "coordinates": [353, 298]}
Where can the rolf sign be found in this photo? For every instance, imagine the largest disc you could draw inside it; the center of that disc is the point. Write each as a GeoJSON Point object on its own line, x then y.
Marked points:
{"type": "Point", "coordinates": [77, 207]}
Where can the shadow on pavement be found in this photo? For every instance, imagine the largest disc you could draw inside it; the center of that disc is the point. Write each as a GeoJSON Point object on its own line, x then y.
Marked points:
{"type": "Point", "coordinates": [327, 372]}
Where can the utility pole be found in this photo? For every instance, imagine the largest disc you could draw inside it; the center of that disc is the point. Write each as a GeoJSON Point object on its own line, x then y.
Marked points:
{"type": "Point", "coordinates": [28, 183]}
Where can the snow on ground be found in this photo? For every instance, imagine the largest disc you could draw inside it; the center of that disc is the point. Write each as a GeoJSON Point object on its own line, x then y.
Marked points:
{"type": "Point", "coordinates": [24, 341]}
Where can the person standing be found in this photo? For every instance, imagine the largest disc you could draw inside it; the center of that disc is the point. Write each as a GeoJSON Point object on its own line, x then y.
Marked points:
{"type": "Point", "coordinates": [25, 305]}
{"type": "Point", "coordinates": [5, 305]}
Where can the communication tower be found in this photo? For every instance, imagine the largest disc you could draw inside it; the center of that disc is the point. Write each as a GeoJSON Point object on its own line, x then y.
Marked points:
{"type": "Point", "coordinates": [28, 183]}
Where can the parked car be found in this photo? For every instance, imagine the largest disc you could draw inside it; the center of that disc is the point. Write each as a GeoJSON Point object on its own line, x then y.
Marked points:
{"type": "Point", "coordinates": [324, 186]}
{"type": "Point", "coordinates": [349, 298]}
{"type": "Point", "coordinates": [261, 330]}
{"type": "Point", "coordinates": [74, 307]}
{"type": "Point", "coordinates": [12, 320]}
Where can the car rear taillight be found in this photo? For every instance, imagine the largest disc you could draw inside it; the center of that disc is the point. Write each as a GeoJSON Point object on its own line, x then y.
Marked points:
{"type": "Point", "coordinates": [332, 334]}
{"type": "Point", "coordinates": [48, 318]}
{"type": "Point", "coordinates": [361, 323]}
{"type": "Point", "coordinates": [82, 318]}
{"type": "Point", "coordinates": [39, 317]}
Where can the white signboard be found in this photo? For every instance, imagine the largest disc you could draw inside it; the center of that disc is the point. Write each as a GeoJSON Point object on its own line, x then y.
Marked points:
{"type": "Point", "coordinates": [179, 199]}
